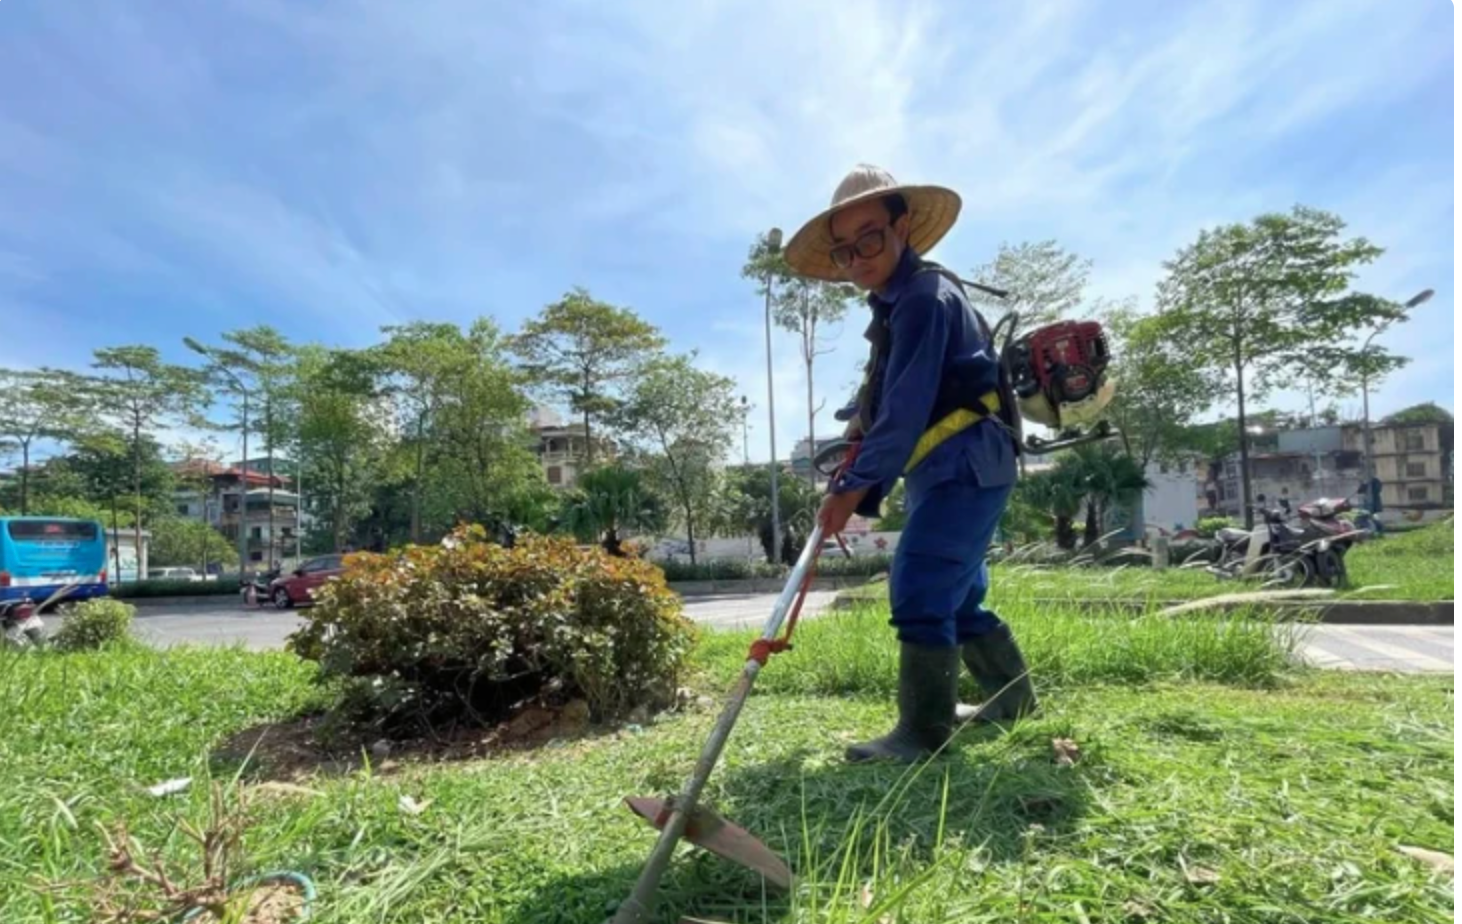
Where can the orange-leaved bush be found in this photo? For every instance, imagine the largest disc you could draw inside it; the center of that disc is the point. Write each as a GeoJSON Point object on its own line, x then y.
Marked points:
{"type": "Point", "coordinates": [470, 629]}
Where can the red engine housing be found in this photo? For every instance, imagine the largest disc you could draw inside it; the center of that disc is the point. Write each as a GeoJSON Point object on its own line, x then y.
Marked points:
{"type": "Point", "coordinates": [1057, 367]}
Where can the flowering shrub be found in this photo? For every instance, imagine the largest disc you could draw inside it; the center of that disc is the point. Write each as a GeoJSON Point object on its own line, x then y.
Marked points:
{"type": "Point", "coordinates": [93, 624]}
{"type": "Point", "coordinates": [469, 629]}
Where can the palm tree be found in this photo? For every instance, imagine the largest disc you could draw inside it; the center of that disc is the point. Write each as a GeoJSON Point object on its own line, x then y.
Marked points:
{"type": "Point", "coordinates": [1107, 477]}
{"type": "Point", "coordinates": [611, 502]}
{"type": "Point", "coordinates": [1059, 492]}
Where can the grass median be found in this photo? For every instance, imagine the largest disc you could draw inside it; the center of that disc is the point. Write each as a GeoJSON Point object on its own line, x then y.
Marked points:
{"type": "Point", "coordinates": [1212, 783]}
{"type": "Point", "coordinates": [1416, 565]}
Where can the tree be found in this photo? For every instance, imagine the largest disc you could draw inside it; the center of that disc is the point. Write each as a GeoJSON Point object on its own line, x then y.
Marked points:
{"type": "Point", "coordinates": [805, 307]}
{"type": "Point", "coordinates": [684, 419]}
{"type": "Point", "coordinates": [1251, 301]}
{"type": "Point", "coordinates": [1426, 413]}
{"type": "Point", "coordinates": [895, 512]}
{"type": "Point", "coordinates": [421, 361]}
{"type": "Point", "coordinates": [340, 433]}
{"type": "Point", "coordinates": [484, 468]}
{"type": "Point", "coordinates": [139, 393]}
{"type": "Point", "coordinates": [1044, 280]}
{"type": "Point", "coordinates": [269, 357]}
{"type": "Point", "coordinates": [611, 502]}
{"type": "Point", "coordinates": [46, 404]}
{"type": "Point", "coordinates": [1057, 491]}
{"type": "Point", "coordinates": [1106, 477]}
{"type": "Point", "coordinates": [1159, 389]}
{"type": "Point", "coordinates": [179, 541]}
{"type": "Point", "coordinates": [195, 474]}
{"type": "Point", "coordinates": [746, 506]}
{"type": "Point", "coordinates": [582, 350]}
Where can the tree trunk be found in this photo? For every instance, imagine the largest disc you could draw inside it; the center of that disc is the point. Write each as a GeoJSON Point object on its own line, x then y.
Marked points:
{"type": "Point", "coordinates": [689, 525]}
{"type": "Point", "coordinates": [24, 476]}
{"type": "Point", "coordinates": [1247, 488]}
{"type": "Point", "coordinates": [1092, 530]}
{"type": "Point", "coordinates": [811, 431]}
{"type": "Point", "coordinates": [116, 535]}
{"type": "Point", "coordinates": [269, 454]}
{"type": "Point", "coordinates": [137, 489]}
{"type": "Point", "coordinates": [1065, 533]}
{"type": "Point", "coordinates": [416, 486]}
{"type": "Point", "coordinates": [588, 436]}
{"type": "Point", "coordinates": [339, 516]}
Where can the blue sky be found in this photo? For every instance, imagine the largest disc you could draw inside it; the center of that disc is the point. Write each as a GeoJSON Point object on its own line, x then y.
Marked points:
{"type": "Point", "coordinates": [172, 169]}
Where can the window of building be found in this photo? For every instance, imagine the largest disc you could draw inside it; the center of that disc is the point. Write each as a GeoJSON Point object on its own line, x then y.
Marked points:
{"type": "Point", "coordinates": [256, 532]}
{"type": "Point", "coordinates": [555, 474]}
{"type": "Point", "coordinates": [184, 510]}
{"type": "Point", "coordinates": [1417, 493]}
{"type": "Point", "coordinates": [1415, 440]}
{"type": "Point", "coordinates": [1415, 469]}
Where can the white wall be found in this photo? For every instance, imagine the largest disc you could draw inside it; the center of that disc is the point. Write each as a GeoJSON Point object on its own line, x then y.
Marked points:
{"type": "Point", "coordinates": [1171, 499]}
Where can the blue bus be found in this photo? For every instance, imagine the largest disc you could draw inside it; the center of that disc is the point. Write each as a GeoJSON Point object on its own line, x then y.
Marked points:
{"type": "Point", "coordinates": [40, 555]}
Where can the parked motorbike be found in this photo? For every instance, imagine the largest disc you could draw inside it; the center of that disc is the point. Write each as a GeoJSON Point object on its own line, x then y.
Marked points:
{"type": "Point", "coordinates": [20, 623]}
{"type": "Point", "coordinates": [1303, 553]}
{"type": "Point", "coordinates": [1321, 520]}
{"type": "Point", "coordinates": [255, 590]}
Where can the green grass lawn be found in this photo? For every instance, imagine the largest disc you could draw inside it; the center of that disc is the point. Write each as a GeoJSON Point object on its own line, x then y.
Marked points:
{"type": "Point", "coordinates": [1213, 785]}
{"type": "Point", "coordinates": [1415, 565]}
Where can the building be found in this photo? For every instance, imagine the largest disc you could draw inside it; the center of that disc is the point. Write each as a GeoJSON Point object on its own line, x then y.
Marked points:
{"type": "Point", "coordinates": [231, 498]}
{"type": "Point", "coordinates": [563, 449]}
{"type": "Point", "coordinates": [1413, 463]}
{"type": "Point", "coordinates": [1173, 499]}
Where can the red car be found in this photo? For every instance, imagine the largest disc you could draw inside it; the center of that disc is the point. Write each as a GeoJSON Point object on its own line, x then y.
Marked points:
{"type": "Point", "coordinates": [298, 587]}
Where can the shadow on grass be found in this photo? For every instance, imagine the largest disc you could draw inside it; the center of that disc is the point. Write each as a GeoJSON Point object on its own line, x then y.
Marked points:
{"type": "Point", "coordinates": [697, 887]}
{"type": "Point", "coordinates": [852, 831]}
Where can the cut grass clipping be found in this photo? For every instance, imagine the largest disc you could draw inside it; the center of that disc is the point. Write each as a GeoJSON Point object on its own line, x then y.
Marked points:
{"type": "Point", "coordinates": [1256, 800]}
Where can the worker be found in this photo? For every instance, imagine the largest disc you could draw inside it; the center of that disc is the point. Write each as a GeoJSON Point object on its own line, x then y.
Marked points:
{"type": "Point", "coordinates": [930, 354]}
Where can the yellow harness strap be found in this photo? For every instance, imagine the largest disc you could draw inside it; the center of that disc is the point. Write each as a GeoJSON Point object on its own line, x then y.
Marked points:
{"type": "Point", "coordinates": [949, 425]}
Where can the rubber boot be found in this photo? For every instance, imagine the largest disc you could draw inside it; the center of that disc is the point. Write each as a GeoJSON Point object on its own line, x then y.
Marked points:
{"type": "Point", "coordinates": [927, 679]}
{"type": "Point", "coordinates": [1000, 670]}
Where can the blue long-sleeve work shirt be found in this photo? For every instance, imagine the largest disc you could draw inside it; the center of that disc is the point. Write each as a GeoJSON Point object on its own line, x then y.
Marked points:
{"type": "Point", "coordinates": [933, 332]}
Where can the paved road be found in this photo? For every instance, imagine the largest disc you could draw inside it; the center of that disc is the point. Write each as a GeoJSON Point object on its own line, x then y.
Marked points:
{"type": "Point", "coordinates": [1378, 648]}
{"type": "Point", "coordinates": [226, 622]}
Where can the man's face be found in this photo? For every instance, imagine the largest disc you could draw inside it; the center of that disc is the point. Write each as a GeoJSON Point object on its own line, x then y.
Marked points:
{"type": "Point", "coordinates": [865, 229]}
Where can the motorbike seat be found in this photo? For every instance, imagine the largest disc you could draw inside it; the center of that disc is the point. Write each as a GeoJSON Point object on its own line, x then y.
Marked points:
{"type": "Point", "coordinates": [1232, 534]}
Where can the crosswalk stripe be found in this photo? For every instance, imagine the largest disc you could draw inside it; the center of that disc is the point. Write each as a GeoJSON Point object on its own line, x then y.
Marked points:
{"type": "Point", "coordinates": [1367, 650]}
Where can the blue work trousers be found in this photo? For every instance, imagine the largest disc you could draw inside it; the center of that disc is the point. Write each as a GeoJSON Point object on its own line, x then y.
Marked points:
{"type": "Point", "coordinates": [939, 579]}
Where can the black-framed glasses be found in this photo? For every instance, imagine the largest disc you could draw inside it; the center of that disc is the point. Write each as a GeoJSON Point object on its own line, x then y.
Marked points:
{"type": "Point", "coordinates": [868, 245]}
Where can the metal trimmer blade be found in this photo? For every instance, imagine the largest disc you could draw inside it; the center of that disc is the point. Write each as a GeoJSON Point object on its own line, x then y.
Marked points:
{"type": "Point", "coordinates": [709, 831]}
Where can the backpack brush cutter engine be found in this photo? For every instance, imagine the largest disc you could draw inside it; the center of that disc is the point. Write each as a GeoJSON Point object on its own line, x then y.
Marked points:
{"type": "Point", "coordinates": [1058, 376]}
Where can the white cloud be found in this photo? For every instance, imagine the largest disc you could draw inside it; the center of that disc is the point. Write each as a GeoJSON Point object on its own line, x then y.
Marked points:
{"type": "Point", "coordinates": [350, 163]}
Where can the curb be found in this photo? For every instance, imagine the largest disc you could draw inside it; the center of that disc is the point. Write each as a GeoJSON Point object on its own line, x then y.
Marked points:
{"type": "Point", "coordinates": [757, 586]}
{"type": "Point", "coordinates": [1332, 612]}
{"type": "Point", "coordinates": [148, 603]}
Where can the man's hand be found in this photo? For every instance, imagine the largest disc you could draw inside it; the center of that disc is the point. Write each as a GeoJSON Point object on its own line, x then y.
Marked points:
{"type": "Point", "coordinates": [836, 510]}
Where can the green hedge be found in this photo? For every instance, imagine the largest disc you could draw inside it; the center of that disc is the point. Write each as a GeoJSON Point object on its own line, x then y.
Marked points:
{"type": "Point", "coordinates": [226, 585]}
{"type": "Point", "coordinates": [831, 564]}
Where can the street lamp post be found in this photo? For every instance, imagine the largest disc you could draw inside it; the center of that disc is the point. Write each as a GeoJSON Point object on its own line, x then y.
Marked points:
{"type": "Point", "coordinates": [1365, 397]}
{"type": "Point", "coordinates": [202, 350]}
{"type": "Point", "coordinates": [774, 247]}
